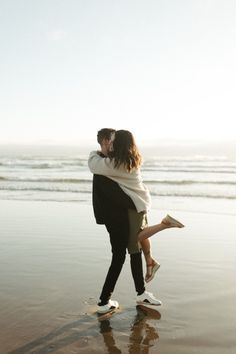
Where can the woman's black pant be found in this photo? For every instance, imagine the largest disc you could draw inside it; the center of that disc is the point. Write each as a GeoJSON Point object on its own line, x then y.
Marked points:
{"type": "Point", "coordinates": [119, 234]}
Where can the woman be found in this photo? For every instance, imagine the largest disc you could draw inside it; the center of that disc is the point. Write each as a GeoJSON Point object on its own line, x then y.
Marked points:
{"type": "Point", "coordinates": [123, 166]}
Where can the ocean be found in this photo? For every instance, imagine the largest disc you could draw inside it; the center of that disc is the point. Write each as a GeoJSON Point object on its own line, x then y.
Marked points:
{"type": "Point", "coordinates": [54, 257]}
{"type": "Point", "coordinates": [63, 175]}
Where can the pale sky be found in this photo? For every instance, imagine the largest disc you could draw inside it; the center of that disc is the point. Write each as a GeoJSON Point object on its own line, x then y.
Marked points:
{"type": "Point", "coordinates": [164, 69]}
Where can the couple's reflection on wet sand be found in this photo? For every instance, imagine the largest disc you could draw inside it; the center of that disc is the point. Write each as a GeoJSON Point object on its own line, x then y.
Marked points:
{"type": "Point", "coordinates": [142, 334]}
{"type": "Point", "coordinates": [120, 332]}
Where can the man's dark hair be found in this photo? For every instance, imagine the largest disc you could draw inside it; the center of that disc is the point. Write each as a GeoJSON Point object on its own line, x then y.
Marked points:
{"type": "Point", "coordinates": [104, 133]}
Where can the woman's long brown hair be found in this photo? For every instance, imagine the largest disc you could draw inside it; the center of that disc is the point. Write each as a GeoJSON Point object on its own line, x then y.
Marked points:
{"type": "Point", "coordinates": [125, 151]}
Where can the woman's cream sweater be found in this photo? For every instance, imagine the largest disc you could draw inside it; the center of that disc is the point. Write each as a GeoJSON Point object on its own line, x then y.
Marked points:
{"type": "Point", "coordinates": [130, 182]}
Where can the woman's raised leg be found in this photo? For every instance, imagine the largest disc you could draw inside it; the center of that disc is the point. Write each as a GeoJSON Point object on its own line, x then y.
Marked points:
{"type": "Point", "coordinates": [166, 223]}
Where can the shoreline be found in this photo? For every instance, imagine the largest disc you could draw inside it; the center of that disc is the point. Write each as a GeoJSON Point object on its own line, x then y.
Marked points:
{"type": "Point", "coordinates": [53, 261]}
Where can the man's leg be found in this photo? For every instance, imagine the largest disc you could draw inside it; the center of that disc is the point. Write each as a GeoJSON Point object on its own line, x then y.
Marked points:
{"type": "Point", "coordinates": [137, 272]}
{"type": "Point", "coordinates": [119, 240]}
{"type": "Point", "coordinates": [113, 273]}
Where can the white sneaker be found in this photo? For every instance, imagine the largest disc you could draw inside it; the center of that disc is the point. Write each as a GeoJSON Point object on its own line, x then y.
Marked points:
{"type": "Point", "coordinates": [148, 299]}
{"type": "Point", "coordinates": [110, 306]}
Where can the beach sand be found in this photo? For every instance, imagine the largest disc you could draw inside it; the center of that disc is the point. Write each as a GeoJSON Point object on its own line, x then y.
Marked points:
{"type": "Point", "coordinates": [54, 258]}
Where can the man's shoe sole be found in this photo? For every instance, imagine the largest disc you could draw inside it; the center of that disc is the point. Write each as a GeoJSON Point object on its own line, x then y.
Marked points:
{"type": "Point", "coordinates": [148, 305]}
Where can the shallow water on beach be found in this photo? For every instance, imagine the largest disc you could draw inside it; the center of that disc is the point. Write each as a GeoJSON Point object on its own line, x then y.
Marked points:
{"type": "Point", "coordinates": [64, 175]}
{"type": "Point", "coordinates": [53, 261]}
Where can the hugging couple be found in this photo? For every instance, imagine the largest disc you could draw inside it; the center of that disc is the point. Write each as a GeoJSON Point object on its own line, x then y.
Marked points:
{"type": "Point", "coordinates": [121, 202]}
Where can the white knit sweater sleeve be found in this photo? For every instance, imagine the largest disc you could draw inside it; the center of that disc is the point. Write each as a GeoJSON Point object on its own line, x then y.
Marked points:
{"type": "Point", "coordinates": [103, 166]}
{"type": "Point", "coordinates": [131, 183]}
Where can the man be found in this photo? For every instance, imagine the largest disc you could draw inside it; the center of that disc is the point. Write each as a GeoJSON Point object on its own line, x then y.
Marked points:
{"type": "Point", "coordinates": [111, 204]}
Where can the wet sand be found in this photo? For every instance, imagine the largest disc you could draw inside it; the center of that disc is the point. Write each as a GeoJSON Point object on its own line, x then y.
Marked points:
{"type": "Point", "coordinates": [53, 260]}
